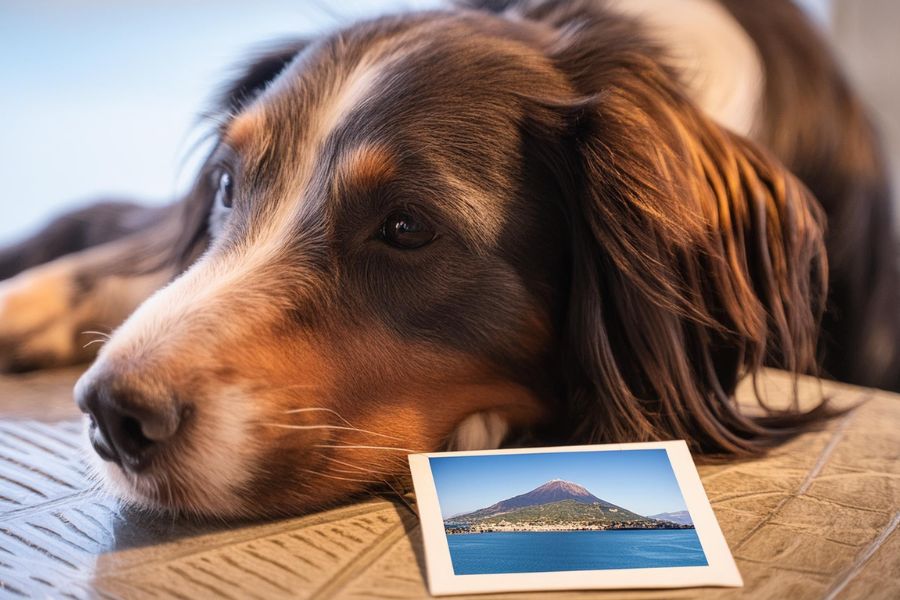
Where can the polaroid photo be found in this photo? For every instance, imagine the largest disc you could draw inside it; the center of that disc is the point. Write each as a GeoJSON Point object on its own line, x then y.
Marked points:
{"type": "Point", "coordinates": [577, 517]}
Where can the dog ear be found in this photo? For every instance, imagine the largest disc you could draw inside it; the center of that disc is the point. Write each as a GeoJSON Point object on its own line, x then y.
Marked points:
{"type": "Point", "coordinates": [250, 79]}
{"type": "Point", "coordinates": [256, 72]}
{"type": "Point", "coordinates": [696, 258]}
{"type": "Point", "coordinates": [183, 233]}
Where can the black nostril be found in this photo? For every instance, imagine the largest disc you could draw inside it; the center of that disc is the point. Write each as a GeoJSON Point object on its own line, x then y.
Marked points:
{"type": "Point", "coordinates": [129, 437]}
{"type": "Point", "coordinates": [126, 427]}
{"type": "Point", "coordinates": [100, 442]}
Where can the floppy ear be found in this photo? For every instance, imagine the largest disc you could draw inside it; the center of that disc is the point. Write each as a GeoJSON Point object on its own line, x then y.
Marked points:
{"type": "Point", "coordinates": [256, 72]}
{"type": "Point", "coordinates": [251, 77]}
{"type": "Point", "coordinates": [696, 258]}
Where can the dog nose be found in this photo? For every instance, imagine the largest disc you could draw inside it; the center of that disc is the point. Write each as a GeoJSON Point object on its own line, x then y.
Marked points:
{"type": "Point", "coordinates": [126, 427]}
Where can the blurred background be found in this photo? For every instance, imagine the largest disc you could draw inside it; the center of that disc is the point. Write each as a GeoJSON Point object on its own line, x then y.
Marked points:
{"type": "Point", "coordinates": [101, 97]}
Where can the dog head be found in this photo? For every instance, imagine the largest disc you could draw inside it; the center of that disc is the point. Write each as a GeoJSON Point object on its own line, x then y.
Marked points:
{"type": "Point", "coordinates": [432, 230]}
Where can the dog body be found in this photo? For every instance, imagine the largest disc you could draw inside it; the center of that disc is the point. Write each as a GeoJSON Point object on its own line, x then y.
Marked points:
{"type": "Point", "coordinates": [717, 61]}
{"type": "Point", "coordinates": [513, 220]}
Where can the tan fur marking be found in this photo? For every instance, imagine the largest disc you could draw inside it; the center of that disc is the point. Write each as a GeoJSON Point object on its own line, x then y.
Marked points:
{"type": "Point", "coordinates": [245, 128]}
{"type": "Point", "coordinates": [366, 166]}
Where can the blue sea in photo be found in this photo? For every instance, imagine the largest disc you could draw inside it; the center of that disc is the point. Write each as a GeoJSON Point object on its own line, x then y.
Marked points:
{"type": "Point", "coordinates": [535, 552]}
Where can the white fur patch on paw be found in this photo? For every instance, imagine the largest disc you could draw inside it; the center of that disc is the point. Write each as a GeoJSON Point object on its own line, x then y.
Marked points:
{"type": "Point", "coordinates": [481, 431]}
{"type": "Point", "coordinates": [36, 319]}
{"type": "Point", "coordinates": [30, 299]}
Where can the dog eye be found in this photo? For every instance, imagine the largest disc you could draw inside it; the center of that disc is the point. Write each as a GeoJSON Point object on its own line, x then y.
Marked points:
{"type": "Point", "coordinates": [405, 231]}
{"type": "Point", "coordinates": [222, 182]}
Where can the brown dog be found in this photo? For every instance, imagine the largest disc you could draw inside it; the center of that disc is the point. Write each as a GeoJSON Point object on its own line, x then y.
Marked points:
{"type": "Point", "coordinates": [567, 220]}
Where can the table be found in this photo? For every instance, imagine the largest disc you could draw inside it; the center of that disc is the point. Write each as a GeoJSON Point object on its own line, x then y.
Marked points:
{"type": "Point", "coordinates": [817, 518]}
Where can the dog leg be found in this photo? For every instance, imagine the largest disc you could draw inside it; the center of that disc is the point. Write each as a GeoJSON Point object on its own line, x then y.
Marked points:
{"type": "Point", "coordinates": [46, 311]}
{"type": "Point", "coordinates": [99, 223]}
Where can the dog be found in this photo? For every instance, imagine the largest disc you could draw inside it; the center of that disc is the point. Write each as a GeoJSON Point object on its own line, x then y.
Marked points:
{"type": "Point", "coordinates": [504, 222]}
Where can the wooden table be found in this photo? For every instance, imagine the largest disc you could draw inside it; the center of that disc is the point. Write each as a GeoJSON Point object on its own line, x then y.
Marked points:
{"type": "Point", "coordinates": [817, 518]}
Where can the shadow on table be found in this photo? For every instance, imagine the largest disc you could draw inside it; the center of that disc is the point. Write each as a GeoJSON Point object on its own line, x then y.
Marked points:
{"type": "Point", "coordinates": [406, 512]}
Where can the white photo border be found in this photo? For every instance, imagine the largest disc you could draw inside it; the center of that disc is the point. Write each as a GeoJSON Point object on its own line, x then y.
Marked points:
{"type": "Point", "coordinates": [721, 570]}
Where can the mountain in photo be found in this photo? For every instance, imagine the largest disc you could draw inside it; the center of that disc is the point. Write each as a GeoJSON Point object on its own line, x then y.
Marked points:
{"type": "Point", "coordinates": [555, 506]}
{"type": "Point", "coordinates": [556, 490]}
{"type": "Point", "coordinates": [681, 517]}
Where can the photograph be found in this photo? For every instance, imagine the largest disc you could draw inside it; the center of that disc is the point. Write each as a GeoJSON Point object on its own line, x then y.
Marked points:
{"type": "Point", "coordinates": [286, 286]}
{"type": "Point", "coordinates": [540, 513]}
{"type": "Point", "coordinates": [578, 517]}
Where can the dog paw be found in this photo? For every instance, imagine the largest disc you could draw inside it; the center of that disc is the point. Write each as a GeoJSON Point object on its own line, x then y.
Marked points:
{"type": "Point", "coordinates": [37, 320]}
{"type": "Point", "coordinates": [481, 431]}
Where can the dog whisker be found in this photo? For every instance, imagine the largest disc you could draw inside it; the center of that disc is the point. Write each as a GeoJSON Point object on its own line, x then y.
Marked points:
{"type": "Point", "coordinates": [341, 478]}
{"type": "Point", "coordinates": [313, 409]}
{"type": "Point", "coordinates": [97, 341]}
{"type": "Point", "coordinates": [324, 409]}
{"type": "Point", "coordinates": [301, 386]}
{"type": "Point", "coordinates": [394, 448]}
{"type": "Point", "coordinates": [402, 497]}
{"type": "Point", "coordinates": [319, 409]}
{"type": "Point", "coordinates": [357, 429]}
{"type": "Point", "coordinates": [349, 425]}
{"type": "Point", "coordinates": [364, 469]}
{"type": "Point", "coordinates": [100, 333]}
{"type": "Point", "coordinates": [359, 468]}
{"type": "Point", "coordinates": [348, 471]}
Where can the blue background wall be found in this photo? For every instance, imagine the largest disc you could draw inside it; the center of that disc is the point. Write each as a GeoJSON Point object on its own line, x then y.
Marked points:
{"type": "Point", "coordinates": [100, 96]}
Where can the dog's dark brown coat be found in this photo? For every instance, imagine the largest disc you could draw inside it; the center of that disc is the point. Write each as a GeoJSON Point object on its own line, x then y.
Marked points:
{"type": "Point", "coordinates": [644, 259]}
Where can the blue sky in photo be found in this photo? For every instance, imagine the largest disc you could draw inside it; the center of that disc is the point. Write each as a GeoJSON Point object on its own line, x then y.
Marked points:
{"type": "Point", "coordinates": [640, 480]}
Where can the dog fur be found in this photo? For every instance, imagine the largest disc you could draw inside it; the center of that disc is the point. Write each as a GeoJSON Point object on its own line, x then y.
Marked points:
{"type": "Point", "coordinates": [602, 247]}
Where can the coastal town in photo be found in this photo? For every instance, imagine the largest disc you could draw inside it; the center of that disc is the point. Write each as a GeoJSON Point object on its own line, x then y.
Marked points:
{"type": "Point", "coordinates": [560, 506]}
{"type": "Point", "coordinates": [537, 512]}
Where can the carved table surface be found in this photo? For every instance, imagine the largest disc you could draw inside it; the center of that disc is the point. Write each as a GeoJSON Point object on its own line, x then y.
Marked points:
{"type": "Point", "coordinates": [817, 518]}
